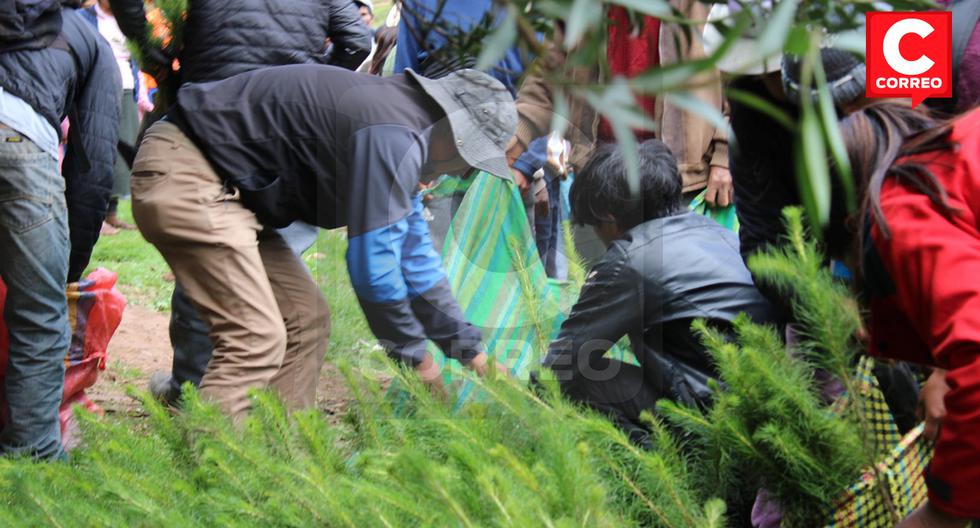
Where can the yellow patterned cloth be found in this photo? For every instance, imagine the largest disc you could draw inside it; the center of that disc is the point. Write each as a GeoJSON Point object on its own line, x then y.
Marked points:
{"type": "Point", "coordinates": [901, 469]}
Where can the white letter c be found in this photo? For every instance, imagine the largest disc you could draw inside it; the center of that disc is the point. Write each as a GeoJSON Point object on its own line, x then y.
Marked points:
{"type": "Point", "coordinates": [894, 56]}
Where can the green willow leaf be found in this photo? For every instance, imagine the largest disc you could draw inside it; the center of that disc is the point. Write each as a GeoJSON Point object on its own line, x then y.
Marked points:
{"type": "Point", "coordinates": [654, 8]}
{"type": "Point", "coordinates": [675, 77]}
{"type": "Point", "coordinates": [777, 28]}
{"type": "Point", "coordinates": [814, 154]}
{"type": "Point", "coordinates": [708, 112]}
{"type": "Point", "coordinates": [762, 105]}
{"type": "Point", "coordinates": [499, 41]}
{"type": "Point", "coordinates": [853, 41]}
{"type": "Point", "coordinates": [584, 15]}
{"type": "Point", "coordinates": [617, 104]}
{"type": "Point", "coordinates": [560, 112]}
{"type": "Point", "coordinates": [831, 132]}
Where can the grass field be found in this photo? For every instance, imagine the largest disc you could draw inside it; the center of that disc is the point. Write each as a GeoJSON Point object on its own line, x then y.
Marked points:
{"type": "Point", "coordinates": [381, 8]}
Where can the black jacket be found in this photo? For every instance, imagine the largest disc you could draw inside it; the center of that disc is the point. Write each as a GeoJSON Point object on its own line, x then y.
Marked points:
{"type": "Point", "coordinates": [227, 37]}
{"type": "Point", "coordinates": [650, 286]}
{"type": "Point", "coordinates": [332, 147]}
{"type": "Point", "coordinates": [73, 74]}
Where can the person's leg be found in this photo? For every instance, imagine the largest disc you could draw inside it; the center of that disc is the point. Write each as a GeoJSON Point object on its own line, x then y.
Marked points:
{"type": "Point", "coordinates": [543, 238]}
{"type": "Point", "coordinates": [191, 344]}
{"type": "Point", "coordinates": [189, 334]}
{"type": "Point", "coordinates": [129, 123]}
{"type": "Point", "coordinates": [307, 320]}
{"type": "Point", "coordinates": [547, 228]}
{"type": "Point", "coordinates": [211, 242]}
{"type": "Point", "coordinates": [618, 390]}
{"type": "Point", "coordinates": [34, 266]}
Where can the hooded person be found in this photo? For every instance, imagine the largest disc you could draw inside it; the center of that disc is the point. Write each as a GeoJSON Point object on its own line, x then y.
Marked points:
{"type": "Point", "coordinates": [235, 158]}
{"type": "Point", "coordinates": [52, 64]}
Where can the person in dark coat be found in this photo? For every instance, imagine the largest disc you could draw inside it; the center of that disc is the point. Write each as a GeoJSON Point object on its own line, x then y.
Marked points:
{"type": "Point", "coordinates": [53, 64]}
{"type": "Point", "coordinates": [235, 158]}
{"type": "Point", "coordinates": [665, 266]}
{"type": "Point", "coordinates": [223, 38]}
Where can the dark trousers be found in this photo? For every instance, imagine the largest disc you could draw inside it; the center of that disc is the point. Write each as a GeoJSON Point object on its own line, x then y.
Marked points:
{"type": "Point", "coordinates": [547, 230]}
{"type": "Point", "coordinates": [620, 391]}
{"type": "Point", "coordinates": [129, 126]}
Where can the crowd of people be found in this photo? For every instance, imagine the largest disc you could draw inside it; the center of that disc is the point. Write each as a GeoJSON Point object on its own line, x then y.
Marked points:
{"type": "Point", "coordinates": [273, 118]}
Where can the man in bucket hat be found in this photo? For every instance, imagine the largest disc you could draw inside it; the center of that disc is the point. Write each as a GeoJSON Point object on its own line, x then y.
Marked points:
{"type": "Point", "coordinates": [236, 158]}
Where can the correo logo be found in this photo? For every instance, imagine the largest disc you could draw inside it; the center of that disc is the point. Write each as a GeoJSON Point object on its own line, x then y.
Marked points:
{"type": "Point", "coordinates": [909, 55]}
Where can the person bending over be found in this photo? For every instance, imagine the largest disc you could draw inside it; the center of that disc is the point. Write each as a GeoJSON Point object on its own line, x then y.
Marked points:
{"type": "Point", "coordinates": [235, 158]}
{"type": "Point", "coordinates": [665, 266]}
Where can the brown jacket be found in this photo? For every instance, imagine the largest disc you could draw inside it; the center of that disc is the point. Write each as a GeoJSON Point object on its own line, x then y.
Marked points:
{"type": "Point", "coordinates": [696, 143]}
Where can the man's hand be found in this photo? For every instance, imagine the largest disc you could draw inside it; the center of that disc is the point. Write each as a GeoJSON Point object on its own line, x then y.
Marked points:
{"type": "Point", "coordinates": [929, 517]}
{"type": "Point", "coordinates": [932, 407]}
{"type": "Point", "coordinates": [719, 187]}
{"type": "Point", "coordinates": [522, 182]}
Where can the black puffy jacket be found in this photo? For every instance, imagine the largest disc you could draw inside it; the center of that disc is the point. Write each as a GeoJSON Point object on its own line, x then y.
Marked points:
{"type": "Point", "coordinates": [227, 37]}
{"type": "Point", "coordinates": [72, 74]}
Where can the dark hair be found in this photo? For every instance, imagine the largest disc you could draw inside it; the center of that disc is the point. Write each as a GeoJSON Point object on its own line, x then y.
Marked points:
{"type": "Point", "coordinates": [878, 136]}
{"type": "Point", "coordinates": [601, 190]}
{"type": "Point", "coordinates": [385, 37]}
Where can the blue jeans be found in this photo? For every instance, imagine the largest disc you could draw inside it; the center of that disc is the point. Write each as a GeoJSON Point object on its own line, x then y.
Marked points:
{"type": "Point", "coordinates": [189, 334]}
{"type": "Point", "coordinates": [547, 231]}
{"type": "Point", "coordinates": [34, 265]}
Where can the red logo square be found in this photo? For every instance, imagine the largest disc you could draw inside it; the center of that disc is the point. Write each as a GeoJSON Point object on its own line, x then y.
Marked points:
{"type": "Point", "coordinates": [910, 54]}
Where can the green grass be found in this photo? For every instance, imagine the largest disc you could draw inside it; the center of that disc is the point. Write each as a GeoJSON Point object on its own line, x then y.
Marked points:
{"type": "Point", "coordinates": [381, 9]}
{"type": "Point", "coordinates": [140, 266]}
{"type": "Point", "coordinates": [350, 335]}
{"type": "Point", "coordinates": [141, 271]}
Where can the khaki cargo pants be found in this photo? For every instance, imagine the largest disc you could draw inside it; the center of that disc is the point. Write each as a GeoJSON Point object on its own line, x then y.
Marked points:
{"type": "Point", "coordinates": [269, 322]}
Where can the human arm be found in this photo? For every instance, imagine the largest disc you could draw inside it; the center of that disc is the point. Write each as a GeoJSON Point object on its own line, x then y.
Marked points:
{"type": "Point", "coordinates": [608, 308]}
{"type": "Point", "coordinates": [720, 189]}
{"type": "Point", "coordinates": [394, 270]}
{"type": "Point", "coordinates": [927, 257]}
{"type": "Point", "coordinates": [927, 516]}
{"type": "Point", "coordinates": [535, 99]}
{"type": "Point", "coordinates": [528, 163]}
{"type": "Point", "coordinates": [131, 17]}
{"type": "Point", "coordinates": [350, 35]}
{"type": "Point", "coordinates": [91, 150]}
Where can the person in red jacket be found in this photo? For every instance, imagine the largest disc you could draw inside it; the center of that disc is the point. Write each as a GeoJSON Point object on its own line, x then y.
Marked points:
{"type": "Point", "coordinates": [920, 270]}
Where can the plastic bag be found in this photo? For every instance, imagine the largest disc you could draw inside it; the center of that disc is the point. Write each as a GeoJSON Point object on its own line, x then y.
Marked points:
{"type": "Point", "coordinates": [95, 309]}
{"type": "Point", "coordinates": [723, 215]}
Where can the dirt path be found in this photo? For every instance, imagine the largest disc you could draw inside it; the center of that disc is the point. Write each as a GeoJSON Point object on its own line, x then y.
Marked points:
{"type": "Point", "coordinates": [141, 346]}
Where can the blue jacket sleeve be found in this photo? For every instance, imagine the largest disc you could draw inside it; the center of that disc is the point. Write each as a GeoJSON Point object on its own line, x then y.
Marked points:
{"type": "Point", "coordinates": [91, 152]}
{"type": "Point", "coordinates": [385, 162]}
{"type": "Point", "coordinates": [533, 158]}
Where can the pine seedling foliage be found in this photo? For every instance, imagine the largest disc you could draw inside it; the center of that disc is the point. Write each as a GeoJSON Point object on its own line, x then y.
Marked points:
{"type": "Point", "coordinates": [769, 428]}
{"type": "Point", "coordinates": [512, 458]}
{"type": "Point", "coordinates": [827, 315]}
